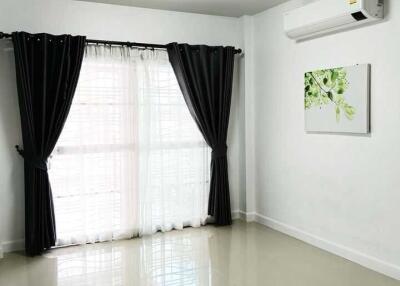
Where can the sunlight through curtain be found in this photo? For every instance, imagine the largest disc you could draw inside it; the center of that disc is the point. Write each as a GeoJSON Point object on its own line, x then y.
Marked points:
{"type": "Point", "coordinates": [130, 160]}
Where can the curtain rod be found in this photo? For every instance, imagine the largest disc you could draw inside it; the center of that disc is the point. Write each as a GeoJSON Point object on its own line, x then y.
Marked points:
{"type": "Point", "coordinates": [118, 43]}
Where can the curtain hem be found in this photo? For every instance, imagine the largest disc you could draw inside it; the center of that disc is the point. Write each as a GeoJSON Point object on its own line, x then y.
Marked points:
{"type": "Point", "coordinates": [135, 234]}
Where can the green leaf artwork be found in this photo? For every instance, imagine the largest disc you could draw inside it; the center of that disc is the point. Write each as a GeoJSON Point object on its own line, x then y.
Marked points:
{"type": "Point", "coordinates": [328, 86]}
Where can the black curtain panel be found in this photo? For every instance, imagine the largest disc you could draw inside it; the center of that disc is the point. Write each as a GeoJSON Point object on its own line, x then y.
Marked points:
{"type": "Point", "coordinates": [205, 77]}
{"type": "Point", "coordinates": [47, 69]}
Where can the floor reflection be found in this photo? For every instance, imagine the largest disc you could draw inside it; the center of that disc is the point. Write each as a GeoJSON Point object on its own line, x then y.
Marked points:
{"type": "Point", "coordinates": [245, 254]}
{"type": "Point", "coordinates": [90, 267]}
{"type": "Point", "coordinates": [177, 258]}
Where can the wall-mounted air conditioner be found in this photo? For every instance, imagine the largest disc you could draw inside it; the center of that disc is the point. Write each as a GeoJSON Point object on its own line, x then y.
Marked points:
{"type": "Point", "coordinates": [325, 16]}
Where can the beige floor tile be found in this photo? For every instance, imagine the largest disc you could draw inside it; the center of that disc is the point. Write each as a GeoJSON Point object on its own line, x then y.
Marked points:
{"type": "Point", "coordinates": [244, 254]}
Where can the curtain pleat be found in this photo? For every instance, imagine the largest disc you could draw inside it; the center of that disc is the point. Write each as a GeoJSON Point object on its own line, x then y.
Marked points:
{"type": "Point", "coordinates": [205, 76]}
{"type": "Point", "coordinates": [47, 69]}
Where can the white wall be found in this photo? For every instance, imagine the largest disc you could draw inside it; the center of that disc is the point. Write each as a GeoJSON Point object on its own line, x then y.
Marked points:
{"type": "Point", "coordinates": [339, 191]}
{"type": "Point", "coordinates": [109, 22]}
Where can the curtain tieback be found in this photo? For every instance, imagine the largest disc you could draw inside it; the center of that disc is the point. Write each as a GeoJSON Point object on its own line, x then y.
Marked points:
{"type": "Point", "coordinates": [34, 161]}
{"type": "Point", "coordinates": [219, 151]}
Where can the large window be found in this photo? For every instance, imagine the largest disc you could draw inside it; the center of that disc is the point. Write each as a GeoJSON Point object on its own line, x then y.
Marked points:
{"type": "Point", "coordinates": [130, 159]}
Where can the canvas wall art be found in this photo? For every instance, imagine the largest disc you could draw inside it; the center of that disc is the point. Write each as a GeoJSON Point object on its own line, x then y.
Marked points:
{"type": "Point", "coordinates": [337, 100]}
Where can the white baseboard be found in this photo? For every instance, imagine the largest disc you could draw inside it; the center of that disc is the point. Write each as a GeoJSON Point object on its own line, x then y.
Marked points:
{"type": "Point", "coordinates": [239, 214]}
{"type": "Point", "coordinates": [13, 245]}
{"type": "Point", "coordinates": [250, 217]}
{"type": "Point", "coordinates": [353, 255]}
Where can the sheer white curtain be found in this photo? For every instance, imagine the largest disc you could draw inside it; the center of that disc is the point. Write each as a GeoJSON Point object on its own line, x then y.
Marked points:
{"type": "Point", "coordinates": [130, 160]}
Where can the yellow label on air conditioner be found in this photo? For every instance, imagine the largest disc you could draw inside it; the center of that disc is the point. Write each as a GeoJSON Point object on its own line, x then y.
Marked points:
{"type": "Point", "coordinates": [352, 1]}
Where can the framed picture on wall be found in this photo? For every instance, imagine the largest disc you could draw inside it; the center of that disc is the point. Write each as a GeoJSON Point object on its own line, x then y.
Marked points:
{"type": "Point", "coordinates": [337, 100]}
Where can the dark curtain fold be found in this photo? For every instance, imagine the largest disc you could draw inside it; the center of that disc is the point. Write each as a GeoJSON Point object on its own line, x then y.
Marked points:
{"type": "Point", "coordinates": [205, 77]}
{"type": "Point", "coordinates": [47, 69]}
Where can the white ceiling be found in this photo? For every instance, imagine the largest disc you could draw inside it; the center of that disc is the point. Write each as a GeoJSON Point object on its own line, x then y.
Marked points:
{"type": "Point", "coordinates": [232, 8]}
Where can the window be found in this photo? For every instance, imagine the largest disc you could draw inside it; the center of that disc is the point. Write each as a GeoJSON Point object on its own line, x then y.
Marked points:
{"type": "Point", "coordinates": [130, 159]}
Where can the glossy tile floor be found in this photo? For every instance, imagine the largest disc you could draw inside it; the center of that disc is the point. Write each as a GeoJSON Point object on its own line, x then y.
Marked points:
{"type": "Point", "coordinates": [244, 254]}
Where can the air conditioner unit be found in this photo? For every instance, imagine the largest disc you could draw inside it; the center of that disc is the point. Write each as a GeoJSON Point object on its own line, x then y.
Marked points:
{"type": "Point", "coordinates": [326, 16]}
